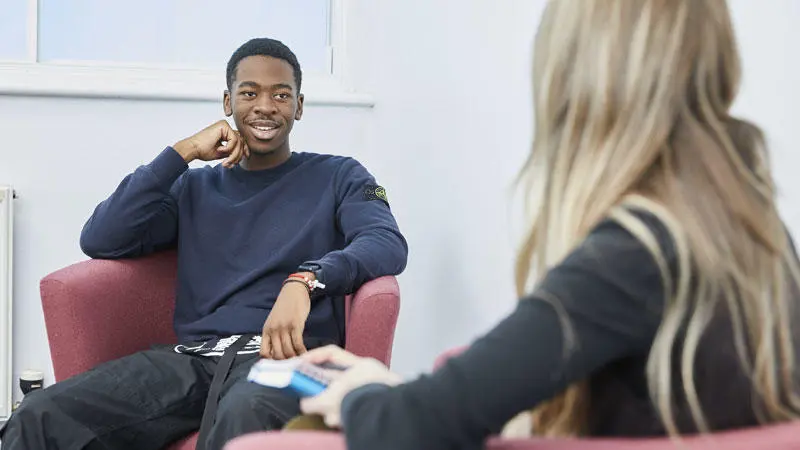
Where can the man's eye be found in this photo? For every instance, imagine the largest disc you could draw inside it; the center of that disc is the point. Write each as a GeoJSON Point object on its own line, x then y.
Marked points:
{"type": "Point", "coordinates": [248, 94]}
{"type": "Point", "coordinates": [283, 96]}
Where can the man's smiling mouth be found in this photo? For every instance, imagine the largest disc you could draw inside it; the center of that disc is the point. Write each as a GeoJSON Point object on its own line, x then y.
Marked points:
{"type": "Point", "coordinates": [265, 130]}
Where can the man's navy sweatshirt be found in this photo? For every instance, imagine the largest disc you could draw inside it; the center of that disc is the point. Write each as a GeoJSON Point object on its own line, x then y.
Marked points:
{"type": "Point", "coordinates": [239, 233]}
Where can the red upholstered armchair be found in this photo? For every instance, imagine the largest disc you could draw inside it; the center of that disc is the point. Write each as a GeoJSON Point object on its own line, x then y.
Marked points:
{"type": "Point", "coordinates": [99, 310]}
{"type": "Point", "coordinates": [776, 437]}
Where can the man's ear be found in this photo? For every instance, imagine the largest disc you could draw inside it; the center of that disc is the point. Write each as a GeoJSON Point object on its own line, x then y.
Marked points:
{"type": "Point", "coordinates": [226, 103]}
{"type": "Point", "coordinates": [299, 113]}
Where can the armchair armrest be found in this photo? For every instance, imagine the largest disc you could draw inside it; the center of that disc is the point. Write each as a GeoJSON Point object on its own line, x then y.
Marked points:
{"type": "Point", "coordinates": [313, 440]}
{"type": "Point", "coordinates": [780, 436]}
{"type": "Point", "coordinates": [371, 317]}
{"type": "Point", "coordinates": [99, 310]}
{"type": "Point", "coordinates": [292, 440]}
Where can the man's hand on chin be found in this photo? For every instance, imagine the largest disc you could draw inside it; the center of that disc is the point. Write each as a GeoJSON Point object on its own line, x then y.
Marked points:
{"type": "Point", "coordinates": [282, 336]}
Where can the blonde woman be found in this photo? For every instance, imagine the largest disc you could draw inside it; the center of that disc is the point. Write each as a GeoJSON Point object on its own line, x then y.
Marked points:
{"type": "Point", "coordinates": [658, 282]}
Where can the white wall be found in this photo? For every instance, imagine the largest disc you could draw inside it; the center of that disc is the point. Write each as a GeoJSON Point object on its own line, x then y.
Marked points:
{"type": "Point", "coordinates": [450, 128]}
{"type": "Point", "coordinates": [770, 95]}
{"type": "Point", "coordinates": [452, 123]}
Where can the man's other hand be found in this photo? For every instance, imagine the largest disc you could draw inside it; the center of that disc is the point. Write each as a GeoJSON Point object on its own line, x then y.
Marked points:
{"type": "Point", "coordinates": [282, 336]}
{"type": "Point", "coordinates": [214, 142]}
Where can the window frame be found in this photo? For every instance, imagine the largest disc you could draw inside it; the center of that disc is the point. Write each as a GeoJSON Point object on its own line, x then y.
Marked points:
{"type": "Point", "coordinates": [6, 300]}
{"type": "Point", "coordinates": [138, 81]}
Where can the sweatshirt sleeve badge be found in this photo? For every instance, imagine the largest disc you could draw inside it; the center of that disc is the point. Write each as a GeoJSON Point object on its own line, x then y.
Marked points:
{"type": "Point", "coordinates": [375, 192]}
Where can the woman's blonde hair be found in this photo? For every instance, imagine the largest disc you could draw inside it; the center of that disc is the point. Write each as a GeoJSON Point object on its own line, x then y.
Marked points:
{"type": "Point", "coordinates": [632, 101]}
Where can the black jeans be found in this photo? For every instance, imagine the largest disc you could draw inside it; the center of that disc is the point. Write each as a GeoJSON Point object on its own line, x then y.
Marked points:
{"type": "Point", "coordinates": [145, 401]}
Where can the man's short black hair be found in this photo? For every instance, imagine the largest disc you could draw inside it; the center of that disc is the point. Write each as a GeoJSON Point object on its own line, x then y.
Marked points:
{"type": "Point", "coordinates": [263, 47]}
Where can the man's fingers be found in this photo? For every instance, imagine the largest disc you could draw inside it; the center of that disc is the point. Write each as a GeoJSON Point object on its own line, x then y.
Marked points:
{"type": "Point", "coordinates": [297, 341]}
{"type": "Point", "coordinates": [233, 147]}
{"type": "Point", "coordinates": [231, 144]}
{"type": "Point", "coordinates": [225, 130]}
{"type": "Point", "coordinates": [239, 149]}
{"type": "Point", "coordinates": [224, 135]}
{"type": "Point", "coordinates": [277, 347]}
{"type": "Point", "coordinates": [288, 348]}
{"type": "Point", "coordinates": [225, 150]}
{"type": "Point", "coordinates": [266, 347]}
{"type": "Point", "coordinates": [225, 147]}
{"type": "Point", "coordinates": [237, 154]}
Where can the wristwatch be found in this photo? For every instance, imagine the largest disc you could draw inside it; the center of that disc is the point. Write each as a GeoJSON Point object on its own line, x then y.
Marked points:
{"type": "Point", "coordinates": [314, 268]}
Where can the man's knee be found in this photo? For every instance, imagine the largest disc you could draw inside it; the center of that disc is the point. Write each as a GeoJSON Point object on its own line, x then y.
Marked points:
{"type": "Point", "coordinates": [273, 408]}
{"type": "Point", "coordinates": [247, 408]}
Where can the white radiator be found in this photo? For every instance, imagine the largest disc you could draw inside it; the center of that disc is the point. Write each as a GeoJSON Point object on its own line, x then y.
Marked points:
{"type": "Point", "coordinates": [6, 233]}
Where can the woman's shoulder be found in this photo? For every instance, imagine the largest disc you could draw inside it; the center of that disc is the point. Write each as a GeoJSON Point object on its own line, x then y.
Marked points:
{"type": "Point", "coordinates": [616, 274]}
{"type": "Point", "coordinates": [639, 225]}
{"type": "Point", "coordinates": [632, 245]}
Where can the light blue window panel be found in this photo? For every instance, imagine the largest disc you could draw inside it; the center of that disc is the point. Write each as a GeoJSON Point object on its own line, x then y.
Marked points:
{"type": "Point", "coordinates": [13, 30]}
{"type": "Point", "coordinates": [186, 33]}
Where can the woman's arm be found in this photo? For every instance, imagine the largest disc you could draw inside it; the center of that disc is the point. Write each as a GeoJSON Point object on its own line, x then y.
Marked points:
{"type": "Point", "coordinates": [601, 304]}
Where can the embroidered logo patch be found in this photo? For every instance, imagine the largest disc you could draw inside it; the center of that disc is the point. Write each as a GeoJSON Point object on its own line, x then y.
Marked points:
{"type": "Point", "coordinates": [375, 192]}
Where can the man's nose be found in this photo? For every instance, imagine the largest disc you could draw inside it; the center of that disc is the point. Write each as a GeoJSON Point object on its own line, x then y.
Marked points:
{"type": "Point", "coordinates": [265, 104]}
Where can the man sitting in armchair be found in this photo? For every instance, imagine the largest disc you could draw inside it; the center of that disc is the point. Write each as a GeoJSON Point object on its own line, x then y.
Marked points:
{"type": "Point", "coordinates": [269, 242]}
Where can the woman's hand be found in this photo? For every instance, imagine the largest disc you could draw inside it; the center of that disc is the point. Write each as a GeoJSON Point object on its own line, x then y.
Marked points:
{"type": "Point", "coordinates": [359, 372]}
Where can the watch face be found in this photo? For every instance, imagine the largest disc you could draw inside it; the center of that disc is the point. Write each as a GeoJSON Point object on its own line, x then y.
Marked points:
{"type": "Point", "coordinates": [309, 267]}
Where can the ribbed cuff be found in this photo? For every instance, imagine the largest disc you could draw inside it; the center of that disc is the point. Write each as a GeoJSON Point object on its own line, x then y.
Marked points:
{"type": "Point", "coordinates": [334, 276]}
{"type": "Point", "coordinates": [168, 166]}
